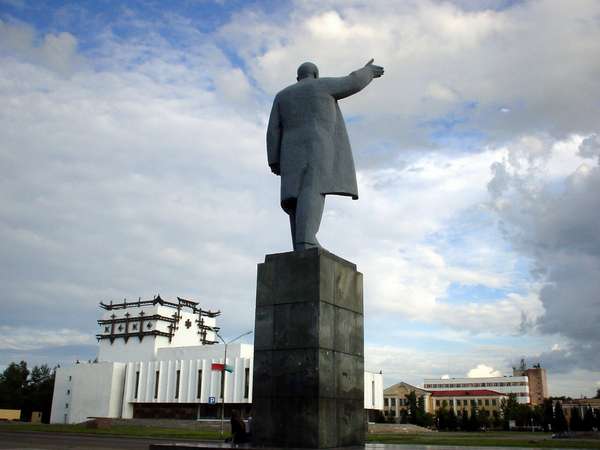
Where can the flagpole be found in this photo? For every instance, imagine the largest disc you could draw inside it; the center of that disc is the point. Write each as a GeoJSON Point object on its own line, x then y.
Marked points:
{"type": "Point", "coordinates": [223, 373]}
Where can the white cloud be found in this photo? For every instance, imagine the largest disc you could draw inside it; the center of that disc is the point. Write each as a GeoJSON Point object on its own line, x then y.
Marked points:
{"type": "Point", "coordinates": [438, 51]}
{"type": "Point", "coordinates": [482, 371]}
{"type": "Point", "coordinates": [24, 338]}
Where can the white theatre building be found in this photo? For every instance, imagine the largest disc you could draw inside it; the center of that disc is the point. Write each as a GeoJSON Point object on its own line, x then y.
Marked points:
{"type": "Point", "coordinates": [155, 360]}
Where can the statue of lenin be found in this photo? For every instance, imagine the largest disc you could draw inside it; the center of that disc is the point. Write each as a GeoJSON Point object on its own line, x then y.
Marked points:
{"type": "Point", "coordinates": [308, 146]}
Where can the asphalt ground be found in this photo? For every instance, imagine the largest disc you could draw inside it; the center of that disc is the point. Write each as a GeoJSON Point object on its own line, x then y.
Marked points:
{"type": "Point", "coordinates": [63, 441]}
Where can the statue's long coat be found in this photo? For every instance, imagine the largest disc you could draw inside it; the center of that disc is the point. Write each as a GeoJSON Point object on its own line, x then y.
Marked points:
{"type": "Point", "coordinates": [306, 132]}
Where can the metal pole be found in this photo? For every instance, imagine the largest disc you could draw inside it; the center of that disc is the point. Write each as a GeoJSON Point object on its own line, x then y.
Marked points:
{"type": "Point", "coordinates": [223, 373]}
{"type": "Point", "coordinates": [223, 389]}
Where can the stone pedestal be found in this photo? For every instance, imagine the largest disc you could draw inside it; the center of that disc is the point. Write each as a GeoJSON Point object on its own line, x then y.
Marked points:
{"type": "Point", "coordinates": [308, 387]}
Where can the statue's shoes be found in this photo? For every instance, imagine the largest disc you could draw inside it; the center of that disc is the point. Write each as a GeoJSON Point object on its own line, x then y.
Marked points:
{"type": "Point", "coordinates": [299, 246]}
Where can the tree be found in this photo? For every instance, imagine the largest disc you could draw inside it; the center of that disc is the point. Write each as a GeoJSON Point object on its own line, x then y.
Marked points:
{"type": "Point", "coordinates": [13, 383]}
{"type": "Point", "coordinates": [537, 414]}
{"type": "Point", "coordinates": [484, 419]}
{"type": "Point", "coordinates": [421, 416]}
{"type": "Point", "coordinates": [559, 424]}
{"type": "Point", "coordinates": [597, 393]}
{"type": "Point", "coordinates": [428, 420]}
{"type": "Point", "coordinates": [496, 420]}
{"type": "Point", "coordinates": [403, 416]}
{"type": "Point", "coordinates": [523, 415]}
{"type": "Point", "coordinates": [464, 420]}
{"type": "Point", "coordinates": [411, 398]}
{"type": "Point", "coordinates": [39, 391]}
{"type": "Point", "coordinates": [509, 408]}
{"type": "Point", "coordinates": [575, 422]}
{"type": "Point", "coordinates": [547, 414]}
{"type": "Point", "coordinates": [474, 423]}
{"type": "Point", "coordinates": [588, 420]}
{"type": "Point", "coordinates": [441, 417]}
{"type": "Point", "coordinates": [452, 421]}
{"type": "Point", "coordinates": [597, 419]}
{"type": "Point", "coordinates": [27, 390]}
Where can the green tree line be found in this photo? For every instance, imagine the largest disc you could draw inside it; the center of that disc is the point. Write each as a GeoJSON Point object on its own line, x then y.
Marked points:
{"type": "Point", "coordinates": [27, 390]}
{"type": "Point", "coordinates": [549, 416]}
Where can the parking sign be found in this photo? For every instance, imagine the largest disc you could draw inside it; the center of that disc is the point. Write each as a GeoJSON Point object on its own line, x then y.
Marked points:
{"type": "Point", "coordinates": [212, 400]}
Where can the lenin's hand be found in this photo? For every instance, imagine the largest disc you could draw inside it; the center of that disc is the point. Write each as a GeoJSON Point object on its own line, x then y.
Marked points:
{"type": "Point", "coordinates": [377, 70]}
{"type": "Point", "coordinates": [275, 169]}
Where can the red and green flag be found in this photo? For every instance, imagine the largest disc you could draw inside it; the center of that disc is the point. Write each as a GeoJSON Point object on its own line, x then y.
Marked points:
{"type": "Point", "coordinates": [220, 367]}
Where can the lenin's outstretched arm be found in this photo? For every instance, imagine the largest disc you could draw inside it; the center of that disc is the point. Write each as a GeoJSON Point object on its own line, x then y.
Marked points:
{"type": "Point", "coordinates": [274, 138]}
{"type": "Point", "coordinates": [342, 87]}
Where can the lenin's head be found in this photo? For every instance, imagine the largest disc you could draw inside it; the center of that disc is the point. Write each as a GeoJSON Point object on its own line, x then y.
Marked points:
{"type": "Point", "coordinates": [307, 70]}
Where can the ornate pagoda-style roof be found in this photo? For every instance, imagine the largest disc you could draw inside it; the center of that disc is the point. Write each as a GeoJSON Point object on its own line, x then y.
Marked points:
{"type": "Point", "coordinates": [158, 300]}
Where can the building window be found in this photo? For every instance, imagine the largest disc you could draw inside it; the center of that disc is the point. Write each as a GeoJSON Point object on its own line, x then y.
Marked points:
{"type": "Point", "coordinates": [68, 391]}
{"type": "Point", "coordinates": [137, 384]}
{"type": "Point", "coordinates": [246, 382]}
{"type": "Point", "coordinates": [373, 393]}
{"type": "Point", "coordinates": [199, 384]}
{"type": "Point", "coordinates": [473, 403]}
{"type": "Point", "coordinates": [70, 377]}
{"type": "Point", "coordinates": [487, 402]}
{"type": "Point", "coordinates": [393, 400]}
{"type": "Point", "coordinates": [493, 402]}
{"type": "Point", "coordinates": [156, 380]}
{"type": "Point", "coordinates": [177, 379]}
{"type": "Point", "coordinates": [385, 402]}
{"type": "Point", "coordinates": [66, 405]}
{"type": "Point", "coordinates": [479, 402]}
{"type": "Point", "coordinates": [437, 403]}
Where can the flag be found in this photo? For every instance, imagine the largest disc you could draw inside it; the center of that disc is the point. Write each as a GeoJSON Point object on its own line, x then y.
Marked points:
{"type": "Point", "coordinates": [220, 367]}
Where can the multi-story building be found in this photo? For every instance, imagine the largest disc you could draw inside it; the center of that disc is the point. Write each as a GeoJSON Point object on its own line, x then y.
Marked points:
{"type": "Point", "coordinates": [536, 377]}
{"type": "Point", "coordinates": [160, 359]}
{"type": "Point", "coordinates": [517, 385]}
{"type": "Point", "coordinates": [466, 399]}
{"type": "Point", "coordinates": [395, 399]}
{"type": "Point", "coordinates": [582, 404]}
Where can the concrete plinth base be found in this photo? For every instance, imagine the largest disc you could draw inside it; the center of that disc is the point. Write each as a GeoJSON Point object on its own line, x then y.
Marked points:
{"type": "Point", "coordinates": [308, 386]}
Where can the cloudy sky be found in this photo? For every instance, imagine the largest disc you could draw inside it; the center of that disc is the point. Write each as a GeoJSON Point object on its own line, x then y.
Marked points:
{"type": "Point", "coordinates": [133, 162]}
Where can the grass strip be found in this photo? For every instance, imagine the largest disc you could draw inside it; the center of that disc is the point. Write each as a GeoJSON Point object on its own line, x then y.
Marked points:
{"type": "Point", "coordinates": [121, 430]}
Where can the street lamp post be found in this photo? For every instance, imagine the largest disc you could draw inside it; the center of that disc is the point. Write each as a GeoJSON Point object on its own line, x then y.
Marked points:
{"type": "Point", "coordinates": [226, 343]}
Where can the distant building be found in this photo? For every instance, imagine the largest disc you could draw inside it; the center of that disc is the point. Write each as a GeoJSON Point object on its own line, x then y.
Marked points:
{"type": "Point", "coordinates": [395, 401]}
{"type": "Point", "coordinates": [536, 377]}
{"type": "Point", "coordinates": [467, 399]}
{"type": "Point", "coordinates": [580, 403]}
{"type": "Point", "coordinates": [10, 414]}
{"type": "Point", "coordinates": [517, 385]}
{"type": "Point", "coordinates": [160, 359]}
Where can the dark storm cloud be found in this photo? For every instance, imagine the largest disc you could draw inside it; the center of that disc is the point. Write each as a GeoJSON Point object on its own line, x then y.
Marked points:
{"type": "Point", "coordinates": [557, 225]}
